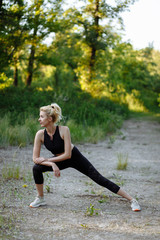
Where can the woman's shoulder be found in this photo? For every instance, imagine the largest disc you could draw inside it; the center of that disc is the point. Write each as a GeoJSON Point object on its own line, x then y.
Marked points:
{"type": "Point", "coordinates": [63, 128]}
{"type": "Point", "coordinates": [40, 133]}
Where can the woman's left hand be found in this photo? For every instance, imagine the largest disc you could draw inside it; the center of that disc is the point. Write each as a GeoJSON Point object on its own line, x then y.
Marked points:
{"type": "Point", "coordinates": [40, 160]}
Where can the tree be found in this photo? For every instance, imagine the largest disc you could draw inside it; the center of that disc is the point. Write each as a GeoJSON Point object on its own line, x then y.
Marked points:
{"type": "Point", "coordinates": [42, 20]}
{"type": "Point", "coordinates": [96, 35]}
{"type": "Point", "coordinates": [12, 27]}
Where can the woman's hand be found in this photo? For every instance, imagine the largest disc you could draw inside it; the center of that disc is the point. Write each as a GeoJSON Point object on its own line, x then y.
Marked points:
{"type": "Point", "coordinates": [56, 170]}
{"type": "Point", "coordinates": [39, 160]}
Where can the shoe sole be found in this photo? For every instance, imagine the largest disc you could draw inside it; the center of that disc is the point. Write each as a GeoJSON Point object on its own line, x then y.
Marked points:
{"type": "Point", "coordinates": [43, 204]}
{"type": "Point", "coordinates": [136, 210]}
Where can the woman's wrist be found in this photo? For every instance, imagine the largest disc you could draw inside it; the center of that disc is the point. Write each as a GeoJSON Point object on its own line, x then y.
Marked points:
{"type": "Point", "coordinates": [50, 160]}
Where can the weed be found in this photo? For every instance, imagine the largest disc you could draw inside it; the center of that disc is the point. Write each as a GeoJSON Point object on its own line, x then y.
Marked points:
{"type": "Point", "coordinates": [4, 204]}
{"type": "Point", "coordinates": [27, 176]}
{"type": "Point", "coordinates": [122, 161]}
{"type": "Point", "coordinates": [84, 226]}
{"type": "Point", "coordinates": [89, 183]}
{"type": "Point", "coordinates": [118, 179]}
{"type": "Point", "coordinates": [91, 210]}
{"type": "Point", "coordinates": [103, 199]}
{"type": "Point", "coordinates": [123, 138]}
{"type": "Point", "coordinates": [18, 193]}
{"type": "Point", "coordinates": [112, 139]}
{"type": "Point", "coordinates": [93, 192]}
{"type": "Point", "coordinates": [7, 224]}
{"type": "Point", "coordinates": [48, 182]}
{"type": "Point", "coordinates": [11, 172]}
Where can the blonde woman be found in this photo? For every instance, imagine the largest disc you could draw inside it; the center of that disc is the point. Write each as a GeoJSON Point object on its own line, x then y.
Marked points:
{"type": "Point", "coordinates": [57, 140]}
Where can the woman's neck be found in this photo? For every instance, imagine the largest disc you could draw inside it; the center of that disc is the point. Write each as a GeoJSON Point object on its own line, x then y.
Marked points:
{"type": "Point", "coordinates": [51, 129]}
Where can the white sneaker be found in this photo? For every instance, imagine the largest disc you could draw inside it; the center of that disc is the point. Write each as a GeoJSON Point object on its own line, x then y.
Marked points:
{"type": "Point", "coordinates": [135, 205]}
{"type": "Point", "coordinates": [39, 201]}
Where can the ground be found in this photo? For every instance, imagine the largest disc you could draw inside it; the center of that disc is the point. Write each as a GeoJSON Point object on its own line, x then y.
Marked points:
{"type": "Point", "coordinates": [76, 207]}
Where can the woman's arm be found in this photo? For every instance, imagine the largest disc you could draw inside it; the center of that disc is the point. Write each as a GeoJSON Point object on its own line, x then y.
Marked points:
{"type": "Point", "coordinates": [54, 167]}
{"type": "Point", "coordinates": [37, 145]}
{"type": "Point", "coordinates": [36, 154]}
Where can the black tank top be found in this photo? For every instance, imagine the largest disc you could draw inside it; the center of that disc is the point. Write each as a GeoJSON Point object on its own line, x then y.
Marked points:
{"type": "Point", "coordinates": [56, 146]}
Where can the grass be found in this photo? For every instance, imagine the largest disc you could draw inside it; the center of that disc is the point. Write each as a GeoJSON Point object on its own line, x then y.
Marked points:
{"type": "Point", "coordinates": [89, 119]}
{"type": "Point", "coordinates": [122, 161]}
{"type": "Point", "coordinates": [22, 135]}
{"type": "Point", "coordinates": [7, 225]}
{"type": "Point", "coordinates": [118, 179]}
{"type": "Point", "coordinates": [82, 133]}
{"type": "Point", "coordinates": [11, 172]}
{"type": "Point", "coordinates": [17, 135]}
{"type": "Point", "coordinates": [91, 210]}
{"type": "Point", "coordinates": [47, 182]}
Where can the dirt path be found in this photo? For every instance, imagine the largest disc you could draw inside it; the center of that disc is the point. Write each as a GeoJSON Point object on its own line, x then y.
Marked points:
{"type": "Point", "coordinates": [65, 216]}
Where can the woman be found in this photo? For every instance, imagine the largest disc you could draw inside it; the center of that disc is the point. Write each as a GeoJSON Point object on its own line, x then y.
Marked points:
{"type": "Point", "coordinates": [57, 140]}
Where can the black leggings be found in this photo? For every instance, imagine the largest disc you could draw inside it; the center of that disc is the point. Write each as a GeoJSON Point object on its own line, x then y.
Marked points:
{"type": "Point", "coordinates": [79, 162]}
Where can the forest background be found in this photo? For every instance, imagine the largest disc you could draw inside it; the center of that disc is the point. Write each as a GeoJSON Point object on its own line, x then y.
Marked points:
{"type": "Point", "coordinates": [95, 77]}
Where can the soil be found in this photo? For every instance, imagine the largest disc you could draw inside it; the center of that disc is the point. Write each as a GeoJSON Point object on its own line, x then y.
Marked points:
{"type": "Point", "coordinates": [77, 208]}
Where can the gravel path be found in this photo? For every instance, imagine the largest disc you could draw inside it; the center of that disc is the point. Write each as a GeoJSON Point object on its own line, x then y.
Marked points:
{"type": "Point", "coordinates": [76, 207]}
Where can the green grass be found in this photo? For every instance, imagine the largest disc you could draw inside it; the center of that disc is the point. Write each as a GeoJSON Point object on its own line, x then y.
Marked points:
{"type": "Point", "coordinates": [122, 161]}
{"type": "Point", "coordinates": [89, 119]}
{"type": "Point", "coordinates": [90, 211]}
{"type": "Point", "coordinates": [118, 179]}
{"type": "Point", "coordinates": [81, 133]}
{"type": "Point", "coordinates": [7, 225]}
{"type": "Point", "coordinates": [17, 135]}
{"type": "Point", "coordinates": [10, 172]}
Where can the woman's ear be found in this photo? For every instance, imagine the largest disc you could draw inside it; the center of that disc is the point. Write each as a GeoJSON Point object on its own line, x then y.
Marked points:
{"type": "Point", "coordinates": [50, 119]}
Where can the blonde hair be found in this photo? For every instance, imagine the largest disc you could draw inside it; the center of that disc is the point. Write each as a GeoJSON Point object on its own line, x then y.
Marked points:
{"type": "Point", "coordinates": [53, 111]}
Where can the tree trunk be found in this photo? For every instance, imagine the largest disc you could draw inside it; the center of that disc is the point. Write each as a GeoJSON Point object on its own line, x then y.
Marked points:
{"type": "Point", "coordinates": [1, 3]}
{"type": "Point", "coordinates": [94, 45]}
{"type": "Point", "coordinates": [92, 63]}
{"type": "Point", "coordinates": [30, 66]}
{"type": "Point", "coordinates": [15, 83]}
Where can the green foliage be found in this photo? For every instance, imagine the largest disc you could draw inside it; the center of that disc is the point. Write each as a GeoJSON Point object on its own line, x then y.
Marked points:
{"type": "Point", "coordinates": [122, 161]}
{"type": "Point", "coordinates": [87, 70]}
{"type": "Point", "coordinates": [118, 179]}
{"type": "Point", "coordinates": [91, 210]}
{"type": "Point", "coordinates": [7, 225]}
{"type": "Point", "coordinates": [10, 172]}
{"type": "Point", "coordinates": [17, 135]}
{"type": "Point", "coordinates": [81, 133]}
{"type": "Point", "coordinates": [11, 37]}
{"type": "Point", "coordinates": [89, 119]}
{"type": "Point", "coordinates": [48, 182]}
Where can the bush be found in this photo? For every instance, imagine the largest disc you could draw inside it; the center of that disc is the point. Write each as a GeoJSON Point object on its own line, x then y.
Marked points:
{"type": "Point", "coordinates": [20, 135]}
{"type": "Point", "coordinates": [89, 119]}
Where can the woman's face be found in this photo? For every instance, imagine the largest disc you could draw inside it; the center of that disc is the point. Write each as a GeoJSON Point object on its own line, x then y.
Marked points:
{"type": "Point", "coordinates": [44, 120]}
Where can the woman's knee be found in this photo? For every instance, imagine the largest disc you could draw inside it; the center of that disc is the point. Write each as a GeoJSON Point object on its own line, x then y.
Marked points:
{"type": "Point", "coordinates": [37, 174]}
{"type": "Point", "coordinates": [36, 168]}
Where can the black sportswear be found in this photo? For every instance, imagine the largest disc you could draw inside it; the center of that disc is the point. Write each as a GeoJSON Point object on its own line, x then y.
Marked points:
{"type": "Point", "coordinates": [77, 161]}
{"type": "Point", "coordinates": [56, 145]}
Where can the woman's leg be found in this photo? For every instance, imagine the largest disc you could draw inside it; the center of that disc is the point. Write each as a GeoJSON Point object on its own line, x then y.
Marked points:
{"type": "Point", "coordinates": [84, 166]}
{"type": "Point", "coordinates": [38, 177]}
{"type": "Point", "coordinates": [38, 171]}
{"type": "Point", "coordinates": [39, 188]}
{"type": "Point", "coordinates": [123, 194]}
